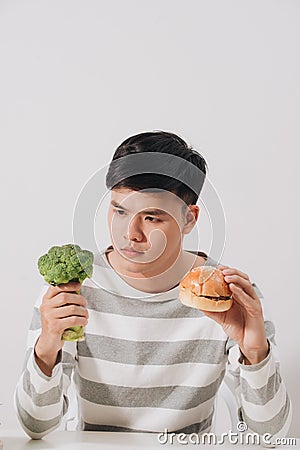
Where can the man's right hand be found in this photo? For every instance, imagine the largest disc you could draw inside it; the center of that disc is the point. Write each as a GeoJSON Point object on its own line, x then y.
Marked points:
{"type": "Point", "coordinates": [61, 308]}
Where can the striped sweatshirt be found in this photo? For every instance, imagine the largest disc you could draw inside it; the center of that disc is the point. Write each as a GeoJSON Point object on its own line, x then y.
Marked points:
{"type": "Point", "coordinates": [148, 363]}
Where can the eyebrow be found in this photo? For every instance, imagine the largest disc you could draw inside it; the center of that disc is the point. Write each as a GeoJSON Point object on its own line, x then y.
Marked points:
{"type": "Point", "coordinates": [150, 212]}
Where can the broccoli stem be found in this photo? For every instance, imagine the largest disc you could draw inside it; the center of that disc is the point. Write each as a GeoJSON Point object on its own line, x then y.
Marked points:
{"type": "Point", "coordinates": [73, 334]}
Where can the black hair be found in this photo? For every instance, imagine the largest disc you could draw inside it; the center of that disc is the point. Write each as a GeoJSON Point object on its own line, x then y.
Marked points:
{"type": "Point", "coordinates": [158, 142]}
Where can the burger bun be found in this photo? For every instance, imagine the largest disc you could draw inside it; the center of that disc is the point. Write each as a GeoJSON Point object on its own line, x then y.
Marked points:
{"type": "Point", "coordinates": [203, 282]}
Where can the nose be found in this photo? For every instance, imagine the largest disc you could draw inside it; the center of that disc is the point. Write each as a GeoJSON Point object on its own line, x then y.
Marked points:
{"type": "Point", "coordinates": [135, 231]}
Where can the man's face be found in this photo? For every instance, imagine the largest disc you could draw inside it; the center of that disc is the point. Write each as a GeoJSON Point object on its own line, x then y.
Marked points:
{"type": "Point", "coordinates": [146, 229]}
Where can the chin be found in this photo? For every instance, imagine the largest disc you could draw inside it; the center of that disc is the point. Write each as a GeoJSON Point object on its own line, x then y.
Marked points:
{"type": "Point", "coordinates": [141, 268]}
{"type": "Point", "coordinates": [132, 266]}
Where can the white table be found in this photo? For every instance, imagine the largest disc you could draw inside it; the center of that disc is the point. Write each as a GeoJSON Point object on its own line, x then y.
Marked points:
{"type": "Point", "coordinates": [86, 440]}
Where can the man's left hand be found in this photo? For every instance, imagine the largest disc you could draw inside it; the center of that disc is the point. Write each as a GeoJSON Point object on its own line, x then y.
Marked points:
{"type": "Point", "coordinates": [244, 321]}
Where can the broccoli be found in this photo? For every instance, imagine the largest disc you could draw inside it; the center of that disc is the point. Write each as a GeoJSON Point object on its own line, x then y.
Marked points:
{"type": "Point", "coordinates": [62, 265]}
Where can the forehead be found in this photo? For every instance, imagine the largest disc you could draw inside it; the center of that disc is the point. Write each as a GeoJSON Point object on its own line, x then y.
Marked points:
{"type": "Point", "coordinates": [137, 201]}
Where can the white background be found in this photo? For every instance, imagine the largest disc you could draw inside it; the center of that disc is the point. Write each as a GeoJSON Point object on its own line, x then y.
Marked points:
{"type": "Point", "coordinates": [78, 77]}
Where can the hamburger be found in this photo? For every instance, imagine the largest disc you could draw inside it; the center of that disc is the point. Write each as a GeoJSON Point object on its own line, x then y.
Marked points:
{"type": "Point", "coordinates": [204, 288]}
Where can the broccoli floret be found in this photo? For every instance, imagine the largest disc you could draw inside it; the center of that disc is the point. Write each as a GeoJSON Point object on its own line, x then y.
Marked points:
{"type": "Point", "coordinates": [66, 263]}
{"type": "Point", "coordinates": [62, 265]}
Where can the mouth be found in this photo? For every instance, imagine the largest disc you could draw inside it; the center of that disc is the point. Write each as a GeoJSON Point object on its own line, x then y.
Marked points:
{"type": "Point", "coordinates": [129, 251]}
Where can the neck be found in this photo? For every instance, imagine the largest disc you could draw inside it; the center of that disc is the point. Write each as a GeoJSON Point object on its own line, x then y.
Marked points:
{"type": "Point", "coordinates": [153, 282]}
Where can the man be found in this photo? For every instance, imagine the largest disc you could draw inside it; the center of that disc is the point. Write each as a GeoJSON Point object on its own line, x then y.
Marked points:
{"type": "Point", "coordinates": [148, 362]}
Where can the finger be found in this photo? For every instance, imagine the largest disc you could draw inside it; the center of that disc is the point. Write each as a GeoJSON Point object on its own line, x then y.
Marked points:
{"type": "Point", "coordinates": [232, 271]}
{"type": "Point", "coordinates": [246, 301]}
{"type": "Point", "coordinates": [243, 283]}
{"type": "Point", "coordinates": [70, 310]}
{"type": "Point", "coordinates": [73, 286]}
{"type": "Point", "coordinates": [66, 298]}
{"type": "Point", "coordinates": [73, 321]}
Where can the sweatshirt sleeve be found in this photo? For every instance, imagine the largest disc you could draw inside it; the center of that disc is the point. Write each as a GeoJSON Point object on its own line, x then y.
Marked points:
{"type": "Point", "coordinates": [263, 402]}
{"type": "Point", "coordinates": [42, 401]}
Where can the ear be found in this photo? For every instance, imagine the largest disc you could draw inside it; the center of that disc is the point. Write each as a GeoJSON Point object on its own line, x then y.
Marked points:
{"type": "Point", "coordinates": [191, 216]}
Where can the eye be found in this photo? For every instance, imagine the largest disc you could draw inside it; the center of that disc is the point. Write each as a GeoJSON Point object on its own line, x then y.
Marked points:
{"type": "Point", "coordinates": [152, 219]}
{"type": "Point", "coordinates": [120, 212]}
